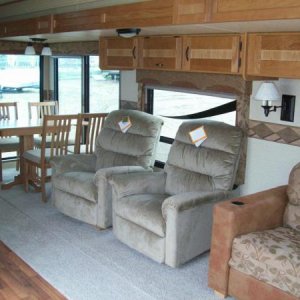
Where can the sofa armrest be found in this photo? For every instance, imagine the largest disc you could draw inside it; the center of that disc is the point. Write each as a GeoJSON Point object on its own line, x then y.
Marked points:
{"type": "Point", "coordinates": [260, 211]}
{"type": "Point", "coordinates": [73, 163]}
{"type": "Point", "coordinates": [137, 183]}
{"type": "Point", "coordinates": [188, 219]}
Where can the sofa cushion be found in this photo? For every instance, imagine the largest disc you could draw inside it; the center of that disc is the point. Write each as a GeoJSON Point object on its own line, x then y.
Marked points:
{"type": "Point", "coordinates": [292, 212]}
{"type": "Point", "coordinates": [293, 189]}
{"type": "Point", "coordinates": [144, 210]}
{"type": "Point", "coordinates": [78, 184]}
{"type": "Point", "coordinates": [292, 216]}
{"type": "Point", "coordinates": [272, 256]}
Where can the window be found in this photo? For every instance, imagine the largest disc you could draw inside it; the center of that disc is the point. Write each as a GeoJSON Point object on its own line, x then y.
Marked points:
{"type": "Point", "coordinates": [187, 105]}
{"type": "Point", "coordinates": [80, 86]}
{"type": "Point", "coordinates": [20, 80]}
{"type": "Point", "coordinates": [104, 88]}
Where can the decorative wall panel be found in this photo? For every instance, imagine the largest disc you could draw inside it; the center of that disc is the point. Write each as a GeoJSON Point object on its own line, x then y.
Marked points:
{"type": "Point", "coordinates": [274, 132]}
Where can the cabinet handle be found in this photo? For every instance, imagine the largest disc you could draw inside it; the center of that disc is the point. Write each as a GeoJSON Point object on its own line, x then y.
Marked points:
{"type": "Point", "coordinates": [187, 53]}
{"type": "Point", "coordinates": [159, 65]}
{"type": "Point", "coordinates": [133, 52]}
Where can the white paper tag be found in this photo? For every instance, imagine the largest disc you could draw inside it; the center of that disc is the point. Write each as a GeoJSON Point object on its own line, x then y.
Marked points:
{"type": "Point", "coordinates": [125, 124]}
{"type": "Point", "coordinates": [198, 136]}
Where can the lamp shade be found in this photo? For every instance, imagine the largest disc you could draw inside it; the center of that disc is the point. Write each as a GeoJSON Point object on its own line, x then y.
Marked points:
{"type": "Point", "coordinates": [268, 91]}
{"type": "Point", "coordinates": [46, 51]}
{"type": "Point", "coordinates": [29, 50]}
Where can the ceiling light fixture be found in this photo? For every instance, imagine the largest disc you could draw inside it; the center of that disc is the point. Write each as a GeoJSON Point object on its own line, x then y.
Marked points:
{"type": "Point", "coordinates": [128, 32]}
{"type": "Point", "coordinates": [46, 51]}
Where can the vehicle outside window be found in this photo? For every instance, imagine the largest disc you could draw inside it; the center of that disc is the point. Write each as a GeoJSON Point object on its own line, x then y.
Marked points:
{"type": "Point", "coordinates": [20, 81]}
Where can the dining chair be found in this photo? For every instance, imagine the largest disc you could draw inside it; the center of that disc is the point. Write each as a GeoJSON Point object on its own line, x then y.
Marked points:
{"type": "Point", "coordinates": [8, 144]}
{"type": "Point", "coordinates": [88, 128]}
{"type": "Point", "coordinates": [55, 142]}
{"type": "Point", "coordinates": [42, 108]}
{"type": "Point", "coordinates": [38, 110]}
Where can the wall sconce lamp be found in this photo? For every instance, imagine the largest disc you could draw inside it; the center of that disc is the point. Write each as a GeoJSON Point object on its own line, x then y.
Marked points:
{"type": "Point", "coordinates": [128, 32]}
{"type": "Point", "coordinates": [29, 50]}
{"type": "Point", "coordinates": [268, 92]}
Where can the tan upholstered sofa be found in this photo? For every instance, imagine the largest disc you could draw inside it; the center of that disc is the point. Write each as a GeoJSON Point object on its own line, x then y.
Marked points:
{"type": "Point", "coordinates": [80, 181]}
{"type": "Point", "coordinates": [255, 250]}
{"type": "Point", "coordinates": [168, 215]}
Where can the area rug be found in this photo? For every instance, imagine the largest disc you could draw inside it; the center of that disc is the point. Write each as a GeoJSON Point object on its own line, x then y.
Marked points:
{"type": "Point", "coordinates": [85, 263]}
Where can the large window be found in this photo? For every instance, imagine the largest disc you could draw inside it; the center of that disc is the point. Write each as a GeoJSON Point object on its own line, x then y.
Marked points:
{"type": "Point", "coordinates": [186, 105]}
{"type": "Point", "coordinates": [20, 80]}
{"type": "Point", "coordinates": [80, 86]}
{"type": "Point", "coordinates": [104, 88]}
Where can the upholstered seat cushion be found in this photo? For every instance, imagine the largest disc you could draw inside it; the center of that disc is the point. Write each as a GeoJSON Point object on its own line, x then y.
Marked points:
{"type": "Point", "coordinates": [35, 155]}
{"type": "Point", "coordinates": [143, 210]}
{"type": "Point", "coordinates": [77, 183]}
{"type": "Point", "coordinates": [272, 256]}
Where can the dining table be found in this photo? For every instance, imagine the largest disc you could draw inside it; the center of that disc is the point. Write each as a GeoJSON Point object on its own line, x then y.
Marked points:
{"type": "Point", "coordinates": [25, 129]}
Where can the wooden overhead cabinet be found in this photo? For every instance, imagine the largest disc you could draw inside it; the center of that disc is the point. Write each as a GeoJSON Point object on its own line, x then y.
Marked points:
{"type": "Point", "coordinates": [142, 14]}
{"type": "Point", "coordinates": [27, 27]}
{"type": "Point", "coordinates": [190, 11]}
{"type": "Point", "coordinates": [216, 53]}
{"type": "Point", "coordinates": [251, 10]}
{"type": "Point", "coordinates": [160, 53]}
{"type": "Point", "coordinates": [274, 55]}
{"type": "Point", "coordinates": [118, 53]}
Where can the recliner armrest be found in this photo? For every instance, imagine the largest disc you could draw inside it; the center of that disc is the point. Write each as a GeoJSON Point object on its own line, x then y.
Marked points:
{"type": "Point", "coordinates": [184, 201]}
{"type": "Point", "coordinates": [259, 211]}
{"type": "Point", "coordinates": [137, 183]}
{"type": "Point", "coordinates": [73, 163]}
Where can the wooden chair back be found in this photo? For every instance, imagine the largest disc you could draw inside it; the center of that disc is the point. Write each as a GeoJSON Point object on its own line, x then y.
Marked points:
{"type": "Point", "coordinates": [55, 134]}
{"type": "Point", "coordinates": [88, 128]}
{"type": "Point", "coordinates": [5, 110]}
{"type": "Point", "coordinates": [43, 108]}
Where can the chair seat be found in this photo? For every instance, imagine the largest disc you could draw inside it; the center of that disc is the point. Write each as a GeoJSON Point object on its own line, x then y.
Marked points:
{"type": "Point", "coordinates": [38, 141]}
{"type": "Point", "coordinates": [77, 183]}
{"type": "Point", "coordinates": [34, 155]}
{"type": "Point", "coordinates": [144, 210]}
{"type": "Point", "coordinates": [272, 256]}
{"type": "Point", "coordinates": [9, 144]}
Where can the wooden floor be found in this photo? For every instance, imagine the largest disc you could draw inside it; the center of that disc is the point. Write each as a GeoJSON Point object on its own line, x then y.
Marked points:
{"type": "Point", "coordinates": [19, 281]}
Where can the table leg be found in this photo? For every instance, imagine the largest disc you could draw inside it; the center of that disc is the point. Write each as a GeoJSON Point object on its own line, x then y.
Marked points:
{"type": "Point", "coordinates": [26, 143]}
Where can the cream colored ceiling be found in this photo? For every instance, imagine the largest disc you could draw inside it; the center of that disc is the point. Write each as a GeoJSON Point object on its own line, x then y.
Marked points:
{"type": "Point", "coordinates": [13, 10]}
{"type": "Point", "coordinates": [31, 8]}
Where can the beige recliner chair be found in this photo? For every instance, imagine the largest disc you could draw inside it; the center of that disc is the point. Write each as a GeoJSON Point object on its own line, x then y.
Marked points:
{"type": "Point", "coordinates": [168, 215]}
{"type": "Point", "coordinates": [80, 181]}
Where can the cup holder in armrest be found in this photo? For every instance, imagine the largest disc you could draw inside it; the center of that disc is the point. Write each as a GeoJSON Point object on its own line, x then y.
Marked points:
{"type": "Point", "coordinates": [239, 203]}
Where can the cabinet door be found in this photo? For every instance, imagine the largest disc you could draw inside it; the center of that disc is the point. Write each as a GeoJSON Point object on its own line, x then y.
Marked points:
{"type": "Point", "coordinates": [163, 53]}
{"type": "Point", "coordinates": [118, 53]}
{"type": "Point", "coordinates": [190, 11]}
{"type": "Point", "coordinates": [242, 10]}
{"type": "Point", "coordinates": [217, 54]}
{"type": "Point", "coordinates": [274, 55]}
{"type": "Point", "coordinates": [28, 26]}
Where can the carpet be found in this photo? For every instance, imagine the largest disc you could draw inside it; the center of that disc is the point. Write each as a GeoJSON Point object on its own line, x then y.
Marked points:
{"type": "Point", "coordinates": [85, 263]}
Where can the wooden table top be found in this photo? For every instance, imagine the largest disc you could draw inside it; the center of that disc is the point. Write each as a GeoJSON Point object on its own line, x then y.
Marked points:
{"type": "Point", "coordinates": [20, 127]}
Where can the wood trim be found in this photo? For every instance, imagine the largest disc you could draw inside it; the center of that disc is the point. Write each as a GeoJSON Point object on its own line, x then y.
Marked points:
{"type": "Point", "coordinates": [211, 53]}
{"type": "Point", "coordinates": [164, 53]}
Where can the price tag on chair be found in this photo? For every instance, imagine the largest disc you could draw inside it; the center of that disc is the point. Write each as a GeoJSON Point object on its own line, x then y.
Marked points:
{"type": "Point", "coordinates": [125, 124]}
{"type": "Point", "coordinates": [198, 136]}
